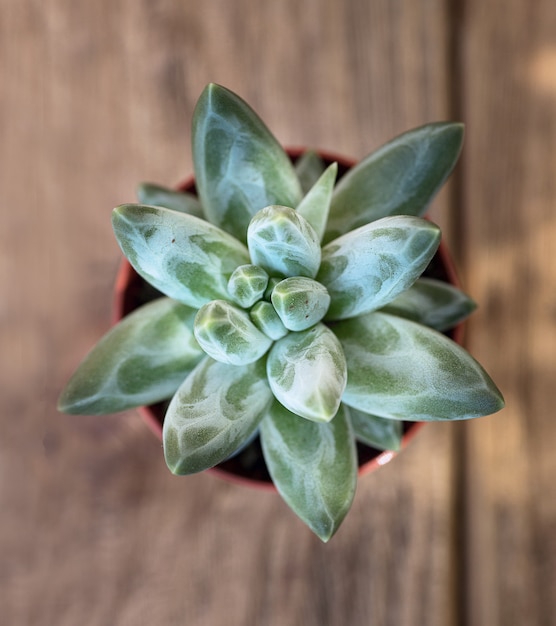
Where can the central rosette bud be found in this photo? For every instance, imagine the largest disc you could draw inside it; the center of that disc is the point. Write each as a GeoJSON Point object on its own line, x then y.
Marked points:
{"type": "Point", "coordinates": [275, 306]}
{"type": "Point", "coordinates": [269, 298]}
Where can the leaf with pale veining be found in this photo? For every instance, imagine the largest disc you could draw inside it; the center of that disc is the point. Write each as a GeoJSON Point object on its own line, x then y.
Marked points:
{"type": "Point", "coordinates": [402, 370]}
{"type": "Point", "coordinates": [283, 243]}
{"type": "Point", "coordinates": [433, 303]}
{"type": "Point", "coordinates": [307, 373]}
{"type": "Point", "coordinates": [140, 361]}
{"type": "Point", "coordinates": [300, 302]}
{"type": "Point", "coordinates": [156, 195]}
{"type": "Point", "coordinates": [247, 285]}
{"type": "Point", "coordinates": [239, 166]}
{"type": "Point", "coordinates": [378, 432]}
{"type": "Point", "coordinates": [367, 268]}
{"type": "Point", "coordinates": [400, 178]}
{"type": "Point", "coordinates": [227, 334]}
{"type": "Point", "coordinates": [215, 411]}
{"type": "Point", "coordinates": [315, 205]}
{"type": "Point", "coordinates": [314, 466]}
{"type": "Point", "coordinates": [265, 318]}
{"type": "Point", "coordinates": [184, 257]}
{"type": "Point", "coordinates": [309, 168]}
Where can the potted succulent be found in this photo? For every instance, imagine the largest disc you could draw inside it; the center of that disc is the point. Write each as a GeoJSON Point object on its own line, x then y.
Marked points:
{"type": "Point", "coordinates": [288, 310]}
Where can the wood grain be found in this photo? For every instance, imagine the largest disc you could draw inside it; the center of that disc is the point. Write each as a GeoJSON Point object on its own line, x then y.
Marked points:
{"type": "Point", "coordinates": [96, 96]}
{"type": "Point", "coordinates": [509, 73]}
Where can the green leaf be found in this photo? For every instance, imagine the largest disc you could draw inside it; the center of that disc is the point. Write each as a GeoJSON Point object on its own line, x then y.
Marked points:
{"type": "Point", "coordinates": [227, 334]}
{"type": "Point", "coordinates": [140, 361]}
{"type": "Point", "coordinates": [156, 195]}
{"type": "Point", "coordinates": [378, 432]}
{"type": "Point", "coordinates": [367, 268]}
{"type": "Point", "coordinates": [309, 168]}
{"type": "Point", "coordinates": [307, 373]}
{"type": "Point", "coordinates": [401, 370]}
{"type": "Point", "coordinates": [400, 178]}
{"type": "Point", "coordinates": [314, 466]}
{"type": "Point", "coordinates": [283, 242]}
{"type": "Point", "coordinates": [215, 411]}
{"type": "Point", "coordinates": [273, 281]}
{"type": "Point", "coordinates": [316, 204]}
{"type": "Point", "coordinates": [433, 303]}
{"type": "Point", "coordinates": [239, 166]}
{"type": "Point", "coordinates": [300, 302]}
{"type": "Point", "coordinates": [184, 257]}
{"type": "Point", "coordinates": [247, 285]}
{"type": "Point", "coordinates": [265, 318]}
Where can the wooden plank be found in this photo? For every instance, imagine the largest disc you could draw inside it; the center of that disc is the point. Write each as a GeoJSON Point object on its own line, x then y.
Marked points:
{"type": "Point", "coordinates": [509, 102]}
{"type": "Point", "coordinates": [95, 97]}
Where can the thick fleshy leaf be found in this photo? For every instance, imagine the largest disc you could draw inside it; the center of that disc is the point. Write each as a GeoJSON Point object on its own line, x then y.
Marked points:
{"type": "Point", "coordinates": [228, 335]}
{"type": "Point", "coordinates": [300, 302]}
{"type": "Point", "coordinates": [182, 256]}
{"type": "Point", "coordinates": [239, 166]}
{"type": "Point", "coordinates": [273, 281]}
{"type": "Point", "coordinates": [315, 205]}
{"type": "Point", "coordinates": [314, 466]}
{"type": "Point", "coordinates": [402, 370]}
{"type": "Point", "coordinates": [378, 432]}
{"type": "Point", "coordinates": [283, 242]}
{"type": "Point", "coordinates": [247, 285]}
{"type": "Point", "coordinates": [307, 373]}
{"type": "Point", "coordinates": [400, 178]}
{"type": "Point", "coordinates": [433, 303]}
{"type": "Point", "coordinates": [265, 318]}
{"type": "Point", "coordinates": [156, 195]}
{"type": "Point", "coordinates": [367, 268]}
{"type": "Point", "coordinates": [215, 411]}
{"type": "Point", "coordinates": [140, 361]}
{"type": "Point", "coordinates": [309, 168]}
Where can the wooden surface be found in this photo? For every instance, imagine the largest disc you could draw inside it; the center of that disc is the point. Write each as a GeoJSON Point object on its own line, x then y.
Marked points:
{"type": "Point", "coordinates": [460, 529]}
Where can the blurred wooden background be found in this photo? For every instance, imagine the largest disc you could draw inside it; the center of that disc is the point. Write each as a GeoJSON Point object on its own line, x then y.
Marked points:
{"type": "Point", "coordinates": [459, 530]}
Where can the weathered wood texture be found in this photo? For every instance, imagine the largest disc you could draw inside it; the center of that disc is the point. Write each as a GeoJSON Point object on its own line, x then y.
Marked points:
{"type": "Point", "coordinates": [509, 182]}
{"type": "Point", "coordinates": [95, 96]}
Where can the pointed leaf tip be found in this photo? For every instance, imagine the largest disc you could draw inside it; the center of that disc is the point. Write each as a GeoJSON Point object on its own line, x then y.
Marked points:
{"type": "Point", "coordinates": [367, 268]}
{"type": "Point", "coordinates": [400, 178]}
{"type": "Point", "coordinates": [309, 167]}
{"type": "Point", "coordinates": [227, 334]}
{"type": "Point", "coordinates": [313, 466]}
{"type": "Point", "coordinates": [399, 369]}
{"type": "Point", "coordinates": [433, 303]}
{"type": "Point", "coordinates": [215, 411]}
{"type": "Point", "coordinates": [184, 257]}
{"type": "Point", "coordinates": [316, 204]}
{"type": "Point", "coordinates": [157, 195]}
{"type": "Point", "coordinates": [239, 166]}
{"type": "Point", "coordinates": [140, 361]}
{"type": "Point", "coordinates": [307, 373]}
{"type": "Point", "coordinates": [283, 242]}
{"type": "Point", "coordinates": [300, 302]}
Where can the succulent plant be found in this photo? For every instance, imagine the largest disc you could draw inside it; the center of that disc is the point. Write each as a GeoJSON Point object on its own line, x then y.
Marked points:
{"type": "Point", "coordinates": [291, 307]}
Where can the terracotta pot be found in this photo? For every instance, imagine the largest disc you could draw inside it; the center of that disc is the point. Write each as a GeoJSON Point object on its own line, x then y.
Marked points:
{"type": "Point", "coordinates": [248, 467]}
